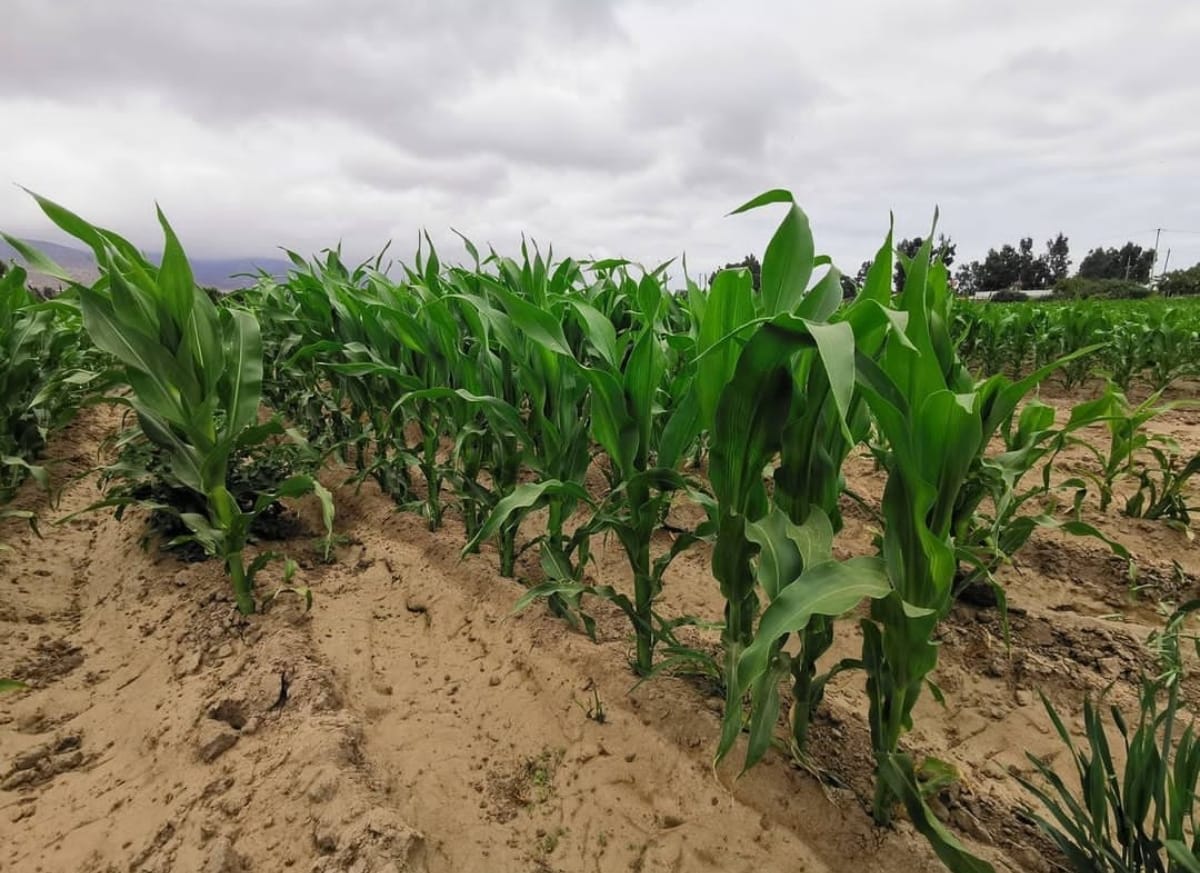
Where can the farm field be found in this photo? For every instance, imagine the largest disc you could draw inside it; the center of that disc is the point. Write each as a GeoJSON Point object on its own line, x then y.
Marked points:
{"type": "Point", "coordinates": [720, 510]}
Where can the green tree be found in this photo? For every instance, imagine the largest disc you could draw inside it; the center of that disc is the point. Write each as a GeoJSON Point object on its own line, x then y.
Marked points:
{"type": "Point", "coordinates": [1130, 262]}
{"type": "Point", "coordinates": [1058, 257]}
{"type": "Point", "coordinates": [1179, 283]}
{"type": "Point", "coordinates": [968, 279]}
{"type": "Point", "coordinates": [1035, 269]}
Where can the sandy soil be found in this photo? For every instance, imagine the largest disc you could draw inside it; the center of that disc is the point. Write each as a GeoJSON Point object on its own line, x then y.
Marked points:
{"type": "Point", "coordinates": [409, 723]}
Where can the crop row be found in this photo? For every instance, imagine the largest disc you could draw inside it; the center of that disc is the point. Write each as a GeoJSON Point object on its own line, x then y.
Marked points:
{"type": "Point", "coordinates": [493, 389]}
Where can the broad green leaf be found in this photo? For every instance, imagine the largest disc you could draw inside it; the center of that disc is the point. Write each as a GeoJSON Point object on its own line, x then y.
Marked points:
{"type": "Point", "coordinates": [787, 264]}
{"type": "Point", "coordinates": [175, 281]}
{"type": "Point", "coordinates": [523, 498]}
{"type": "Point", "coordinates": [730, 306]}
{"type": "Point", "coordinates": [776, 195]}
{"type": "Point", "coordinates": [779, 560]}
{"type": "Point", "coordinates": [243, 369]}
{"type": "Point", "coordinates": [897, 772]}
{"type": "Point", "coordinates": [830, 588]}
{"type": "Point", "coordinates": [37, 260]}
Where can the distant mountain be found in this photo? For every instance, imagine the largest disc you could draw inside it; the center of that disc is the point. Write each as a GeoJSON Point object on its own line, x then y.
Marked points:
{"type": "Point", "coordinates": [218, 273]}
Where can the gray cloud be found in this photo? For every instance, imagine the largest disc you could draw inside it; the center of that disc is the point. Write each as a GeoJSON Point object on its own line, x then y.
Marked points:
{"type": "Point", "coordinates": [603, 127]}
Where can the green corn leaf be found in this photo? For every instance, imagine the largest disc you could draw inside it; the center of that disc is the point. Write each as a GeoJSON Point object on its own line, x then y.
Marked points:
{"type": "Point", "coordinates": [788, 264]}
{"type": "Point", "coordinates": [824, 298]}
{"type": "Point", "coordinates": [37, 260]}
{"type": "Point", "coordinates": [681, 430]}
{"type": "Point", "coordinates": [600, 331]}
{"type": "Point", "coordinates": [765, 713]}
{"type": "Point", "coordinates": [71, 223]}
{"type": "Point", "coordinates": [830, 588]}
{"type": "Point", "coordinates": [538, 324]}
{"type": "Point", "coordinates": [525, 497]}
{"type": "Point", "coordinates": [779, 559]}
{"type": "Point", "coordinates": [897, 771]}
{"type": "Point", "coordinates": [730, 307]}
{"type": "Point", "coordinates": [175, 282]}
{"type": "Point", "coordinates": [1182, 855]}
{"type": "Point", "coordinates": [776, 195]}
{"type": "Point", "coordinates": [243, 369]}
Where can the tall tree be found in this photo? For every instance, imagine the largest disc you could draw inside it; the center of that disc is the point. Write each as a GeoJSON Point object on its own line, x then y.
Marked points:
{"type": "Point", "coordinates": [967, 279]}
{"type": "Point", "coordinates": [1130, 262]}
{"type": "Point", "coordinates": [1035, 269]}
{"type": "Point", "coordinates": [1016, 267]}
{"type": "Point", "coordinates": [1058, 257]}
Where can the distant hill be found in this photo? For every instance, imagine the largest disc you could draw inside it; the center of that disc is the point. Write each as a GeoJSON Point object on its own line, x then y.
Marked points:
{"type": "Point", "coordinates": [209, 272]}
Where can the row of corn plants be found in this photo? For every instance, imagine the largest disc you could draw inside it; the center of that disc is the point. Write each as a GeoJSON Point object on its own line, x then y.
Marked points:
{"type": "Point", "coordinates": [191, 374]}
{"type": "Point", "coordinates": [548, 405]}
{"type": "Point", "coordinates": [1149, 344]}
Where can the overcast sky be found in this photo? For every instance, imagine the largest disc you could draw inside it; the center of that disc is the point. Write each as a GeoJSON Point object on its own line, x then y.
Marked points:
{"type": "Point", "coordinates": [604, 128]}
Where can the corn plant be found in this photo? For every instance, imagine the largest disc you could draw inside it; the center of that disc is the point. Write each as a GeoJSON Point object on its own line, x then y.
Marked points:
{"type": "Point", "coordinates": [995, 515]}
{"type": "Point", "coordinates": [194, 374]}
{"type": "Point", "coordinates": [784, 397]}
{"type": "Point", "coordinates": [643, 431]}
{"type": "Point", "coordinates": [45, 371]}
{"type": "Point", "coordinates": [1128, 437]}
{"type": "Point", "coordinates": [934, 420]}
{"type": "Point", "coordinates": [1162, 489]}
{"type": "Point", "coordinates": [1139, 815]}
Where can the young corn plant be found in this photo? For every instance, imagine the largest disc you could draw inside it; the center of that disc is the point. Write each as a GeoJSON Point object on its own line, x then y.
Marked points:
{"type": "Point", "coordinates": [1163, 489]}
{"type": "Point", "coordinates": [1128, 437]}
{"type": "Point", "coordinates": [46, 369]}
{"type": "Point", "coordinates": [994, 515]}
{"type": "Point", "coordinates": [194, 374]}
{"type": "Point", "coordinates": [934, 422]}
{"type": "Point", "coordinates": [784, 398]}
{"type": "Point", "coordinates": [1135, 813]}
{"type": "Point", "coordinates": [627, 407]}
{"type": "Point", "coordinates": [789, 390]}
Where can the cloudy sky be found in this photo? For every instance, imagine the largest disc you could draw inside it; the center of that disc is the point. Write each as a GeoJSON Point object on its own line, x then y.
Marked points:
{"type": "Point", "coordinates": [604, 127]}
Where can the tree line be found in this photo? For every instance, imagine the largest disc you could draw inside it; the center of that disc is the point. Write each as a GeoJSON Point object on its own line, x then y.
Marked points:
{"type": "Point", "coordinates": [1009, 270]}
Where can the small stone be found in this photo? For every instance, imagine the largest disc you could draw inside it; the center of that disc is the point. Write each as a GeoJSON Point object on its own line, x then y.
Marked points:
{"type": "Point", "coordinates": [1109, 667]}
{"type": "Point", "coordinates": [252, 725]}
{"type": "Point", "coordinates": [969, 825]}
{"type": "Point", "coordinates": [22, 811]}
{"type": "Point", "coordinates": [993, 770]}
{"type": "Point", "coordinates": [494, 680]}
{"type": "Point", "coordinates": [214, 745]}
{"type": "Point", "coordinates": [28, 758]}
{"type": "Point", "coordinates": [994, 668]}
{"type": "Point", "coordinates": [189, 664]}
{"type": "Point", "coordinates": [222, 858]}
{"type": "Point", "coordinates": [1024, 697]}
{"type": "Point", "coordinates": [226, 651]}
{"type": "Point", "coordinates": [70, 761]}
{"type": "Point", "coordinates": [17, 779]}
{"type": "Point", "coordinates": [323, 787]}
{"type": "Point", "coordinates": [325, 836]}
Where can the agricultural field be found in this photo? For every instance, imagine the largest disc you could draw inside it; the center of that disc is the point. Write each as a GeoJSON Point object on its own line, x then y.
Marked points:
{"type": "Point", "coordinates": [492, 563]}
